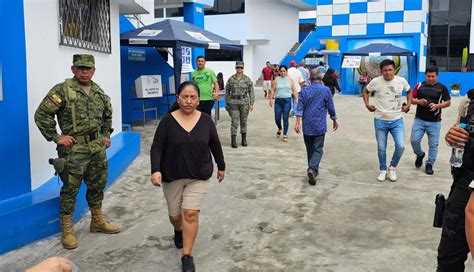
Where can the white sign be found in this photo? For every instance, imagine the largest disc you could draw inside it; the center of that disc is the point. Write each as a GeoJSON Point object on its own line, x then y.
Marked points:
{"type": "Point", "coordinates": [198, 36]}
{"type": "Point", "coordinates": [351, 62]}
{"type": "Point", "coordinates": [149, 33]}
{"type": "Point", "coordinates": [149, 86]}
{"type": "Point", "coordinates": [138, 41]}
{"type": "Point", "coordinates": [186, 60]}
{"type": "Point", "coordinates": [214, 45]}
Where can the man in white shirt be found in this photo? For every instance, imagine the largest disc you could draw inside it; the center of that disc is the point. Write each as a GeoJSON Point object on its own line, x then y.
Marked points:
{"type": "Point", "coordinates": [388, 107]}
{"type": "Point", "coordinates": [298, 79]}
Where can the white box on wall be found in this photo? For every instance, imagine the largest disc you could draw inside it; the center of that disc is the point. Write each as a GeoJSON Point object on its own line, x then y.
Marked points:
{"type": "Point", "coordinates": [148, 86]}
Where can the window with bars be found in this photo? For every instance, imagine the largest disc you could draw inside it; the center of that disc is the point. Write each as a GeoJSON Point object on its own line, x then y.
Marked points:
{"type": "Point", "coordinates": [85, 24]}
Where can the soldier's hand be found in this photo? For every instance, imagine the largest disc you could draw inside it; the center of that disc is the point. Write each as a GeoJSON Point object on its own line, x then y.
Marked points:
{"type": "Point", "coordinates": [107, 142]}
{"type": "Point", "coordinates": [66, 140]}
{"type": "Point", "coordinates": [457, 136]}
{"type": "Point", "coordinates": [156, 179]}
{"type": "Point", "coordinates": [220, 175]}
{"type": "Point", "coordinates": [251, 108]}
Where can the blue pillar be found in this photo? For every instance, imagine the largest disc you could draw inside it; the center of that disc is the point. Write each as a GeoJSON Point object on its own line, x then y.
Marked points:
{"type": "Point", "coordinates": [194, 14]}
{"type": "Point", "coordinates": [14, 139]}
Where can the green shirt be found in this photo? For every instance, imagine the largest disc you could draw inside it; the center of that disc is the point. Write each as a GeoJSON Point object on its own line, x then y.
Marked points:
{"type": "Point", "coordinates": [205, 80]}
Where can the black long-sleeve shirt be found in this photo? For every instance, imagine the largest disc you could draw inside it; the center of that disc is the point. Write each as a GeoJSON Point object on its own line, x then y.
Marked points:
{"type": "Point", "coordinates": [179, 154]}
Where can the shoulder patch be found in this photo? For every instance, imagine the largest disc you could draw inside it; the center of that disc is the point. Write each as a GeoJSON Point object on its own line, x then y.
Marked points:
{"type": "Point", "coordinates": [54, 98]}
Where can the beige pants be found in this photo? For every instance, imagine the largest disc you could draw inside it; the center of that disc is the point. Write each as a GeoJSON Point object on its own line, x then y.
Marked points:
{"type": "Point", "coordinates": [184, 194]}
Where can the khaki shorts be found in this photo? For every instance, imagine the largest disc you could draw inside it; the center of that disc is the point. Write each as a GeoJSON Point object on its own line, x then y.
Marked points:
{"type": "Point", "coordinates": [267, 85]}
{"type": "Point", "coordinates": [184, 194]}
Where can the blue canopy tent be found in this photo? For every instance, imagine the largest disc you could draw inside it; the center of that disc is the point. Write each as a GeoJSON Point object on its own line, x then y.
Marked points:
{"type": "Point", "coordinates": [382, 49]}
{"type": "Point", "coordinates": [176, 34]}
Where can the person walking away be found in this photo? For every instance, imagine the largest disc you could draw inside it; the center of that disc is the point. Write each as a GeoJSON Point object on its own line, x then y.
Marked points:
{"type": "Point", "coordinates": [430, 97]}
{"type": "Point", "coordinates": [298, 79]}
{"type": "Point", "coordinates": [314, 104]}
{"type": "Point", "coordinates": [388, 108]}
{"type": "Point", "coordinates": [304, 72]}
{"type": "Point", "coordinates": [181, 163]}
{"type": "Point", "coordinates": [364, 79]}
{"type": "Point", "coordinates": [322, 68]}
{"type": "Point", "coordinates": [282, 90]}
{"type": "Point", "coordinates": [330, 80]}
{"type": "Point", "coordinates": [206, 79]}
{"type": "Point", "coordinates": [240, 98]}
{"type": "Point", "coordinates": [84, 114]}
{"type": "Point", "coordinates": [267, 76]}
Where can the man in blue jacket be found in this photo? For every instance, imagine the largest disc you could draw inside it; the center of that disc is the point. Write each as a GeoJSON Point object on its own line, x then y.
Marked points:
{"type": "Point", "coordinates": [314, 103]}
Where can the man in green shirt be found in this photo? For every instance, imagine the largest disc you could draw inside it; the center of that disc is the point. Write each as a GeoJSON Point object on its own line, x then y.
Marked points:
{"type": "Point", "coordinates": [206, 79]}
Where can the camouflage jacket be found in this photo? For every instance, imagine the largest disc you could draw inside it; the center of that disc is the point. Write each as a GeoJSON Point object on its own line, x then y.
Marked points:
{"type": "Point", "coordinates": [239, 90]}
{"type": "Point", "coordinates": [93, 111]}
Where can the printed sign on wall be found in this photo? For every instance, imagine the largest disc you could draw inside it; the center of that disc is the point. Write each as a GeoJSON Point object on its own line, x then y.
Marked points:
{"type": "Point", "coordinates": [136, 54]}
{"type": "Point", "coordinates": [186, 60]}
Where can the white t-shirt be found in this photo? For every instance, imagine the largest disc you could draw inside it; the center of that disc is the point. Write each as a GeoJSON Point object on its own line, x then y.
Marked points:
{"type": "Point", "coordinates": [388, 96]}
{"type": "Point", "coordinates": [297, 77]}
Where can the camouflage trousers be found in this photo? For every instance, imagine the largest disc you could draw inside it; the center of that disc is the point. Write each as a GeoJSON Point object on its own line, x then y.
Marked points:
{"type": "Point", "coordinates": [238, 114]}
{"type": "Point", "coordinates": [86, 162]}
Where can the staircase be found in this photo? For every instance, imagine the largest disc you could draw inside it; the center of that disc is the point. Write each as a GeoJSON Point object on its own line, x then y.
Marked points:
{"type": "Point", "coordinates": [299, 50]}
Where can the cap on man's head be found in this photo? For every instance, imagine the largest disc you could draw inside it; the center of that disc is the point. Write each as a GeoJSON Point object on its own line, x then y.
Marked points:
{"type": "Point", "coordinates": [84, 60]}
{"type": "Point", "coordinates": [292, 63]}
{"type": "Point", "coordinates": [239, 64]}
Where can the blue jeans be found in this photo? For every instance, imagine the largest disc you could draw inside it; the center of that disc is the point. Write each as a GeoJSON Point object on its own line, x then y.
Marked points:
{"type": "Point", "coordinates": [282, 110]}
{"type": "Point", "coordinates": [293, 104]}
{"type": "Point", "coordinates": [314, 149]}
{"type": "Point", "coordinates": [396, 128]}
{"type": "Point", "coordinates": [432, 129]}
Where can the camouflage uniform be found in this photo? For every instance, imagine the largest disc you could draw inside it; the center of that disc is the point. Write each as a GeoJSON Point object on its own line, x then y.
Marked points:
{"type": "Point", "coordinates": [239, 95]}
{"type": "Point", "coordinates": [86, 159]}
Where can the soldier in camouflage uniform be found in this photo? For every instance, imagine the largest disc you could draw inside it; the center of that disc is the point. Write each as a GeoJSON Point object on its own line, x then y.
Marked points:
{"type": "Point", "coordinates": [84, 114]}
{"type": "Point", "coordinates": [239, 97]}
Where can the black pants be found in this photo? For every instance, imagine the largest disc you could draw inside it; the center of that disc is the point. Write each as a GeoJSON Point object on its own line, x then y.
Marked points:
{"type": "Point", "coordinates": [453, 249]}
{"type": "Point", "coordinates": [206, 106]}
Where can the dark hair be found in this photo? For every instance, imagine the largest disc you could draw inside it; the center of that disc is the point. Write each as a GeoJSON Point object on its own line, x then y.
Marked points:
{"type": "Point", "coordinates": [284, 66]}
{"type": "Point", "coordinates": [431, 69]}
{"type": "Point", "coordinates": [387, 62]}
{"type": "Point", "coordinates": [470, 94]}
{"type": "Point", "coordinates": [321, 63]}
{"type": "Point", "coordinates": [181, 87]}
{"type": "Point", "coordinates": [200, 57]}
{"type": "Point", "coordinates": [267, 62]}
{"type": "Point", "coordinates": [220, 80]}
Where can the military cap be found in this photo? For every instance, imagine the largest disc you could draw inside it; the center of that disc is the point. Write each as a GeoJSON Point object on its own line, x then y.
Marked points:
{"type": "Point", "coordinates": [239, 64]}
{"type": "Point", "coordinates": [83, 60]}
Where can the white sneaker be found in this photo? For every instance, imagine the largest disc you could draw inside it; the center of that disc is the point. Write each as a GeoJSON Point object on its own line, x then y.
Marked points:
{"type": "Point", "coordinates": [382, 176]}
{"type": "Point", "coordinates": [392, 174]}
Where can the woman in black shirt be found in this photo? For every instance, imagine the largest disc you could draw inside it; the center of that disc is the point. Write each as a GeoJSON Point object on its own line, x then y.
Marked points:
{"type": "Point", "coordinates": [331, 81]}
{"type": "Point", "coordinates": [181, 158]}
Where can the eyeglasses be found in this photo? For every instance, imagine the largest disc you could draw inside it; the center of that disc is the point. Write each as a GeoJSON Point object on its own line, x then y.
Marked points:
{"type": "Point", "coordinates": [186, 98]}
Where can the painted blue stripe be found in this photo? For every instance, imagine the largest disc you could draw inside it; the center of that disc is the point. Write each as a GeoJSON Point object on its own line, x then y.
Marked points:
{"type": "Point", "coordinates": [324, 31]}
{"type": "Point", "coordinates": [394, 16]}
{"type": "Point", "coordinates": [307, 21]}
{"type": "Point", "coordinates": [425, 50]}
{"type": "Point", "coordinates": [375, 29]}
{"type": "Point", "coordinates": [41, 206]}
{"type": "Point", "coordinates": [340, 19]}
{"type": "Point", "coordinates": [422, 27]}
{"type": "Point", "coordinates": [324, 2]}
{"type": "Point", "coordinates": [358, 8]}
{"type": "Point", "coordinates": [14, 145]}
{"type": "Point", "coordinates": [413, 5]}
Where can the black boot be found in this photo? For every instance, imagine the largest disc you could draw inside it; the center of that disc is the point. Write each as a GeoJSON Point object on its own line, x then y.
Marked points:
{"type": "Point", "coordinates": [244, 139]}
{"type": "Point", "coordinates": [233, 139]}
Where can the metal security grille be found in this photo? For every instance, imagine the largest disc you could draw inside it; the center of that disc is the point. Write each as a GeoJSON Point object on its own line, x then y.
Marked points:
{"type": "Point", "coordinates": [85, 24]}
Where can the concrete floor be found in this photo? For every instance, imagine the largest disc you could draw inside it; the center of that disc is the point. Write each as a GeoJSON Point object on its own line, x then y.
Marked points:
{"type": "Point", "coordinates": [265, 216]}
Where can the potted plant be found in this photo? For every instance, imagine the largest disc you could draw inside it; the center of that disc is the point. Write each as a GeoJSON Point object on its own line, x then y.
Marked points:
{"type": "Point", "coordinates": [464, 60]}
{"type": "Point", "coordinates": [455, 88]}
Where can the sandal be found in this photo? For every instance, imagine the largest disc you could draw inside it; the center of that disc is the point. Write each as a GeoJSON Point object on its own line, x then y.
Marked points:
{"type": "Point", "coordinates": [278, 133]}
{"type": "Point", "coordinates": [285, 138]}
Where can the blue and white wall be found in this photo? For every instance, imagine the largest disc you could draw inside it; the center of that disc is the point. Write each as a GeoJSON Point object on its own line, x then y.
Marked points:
{"type": "Point", "coordinates": [356, 23]}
